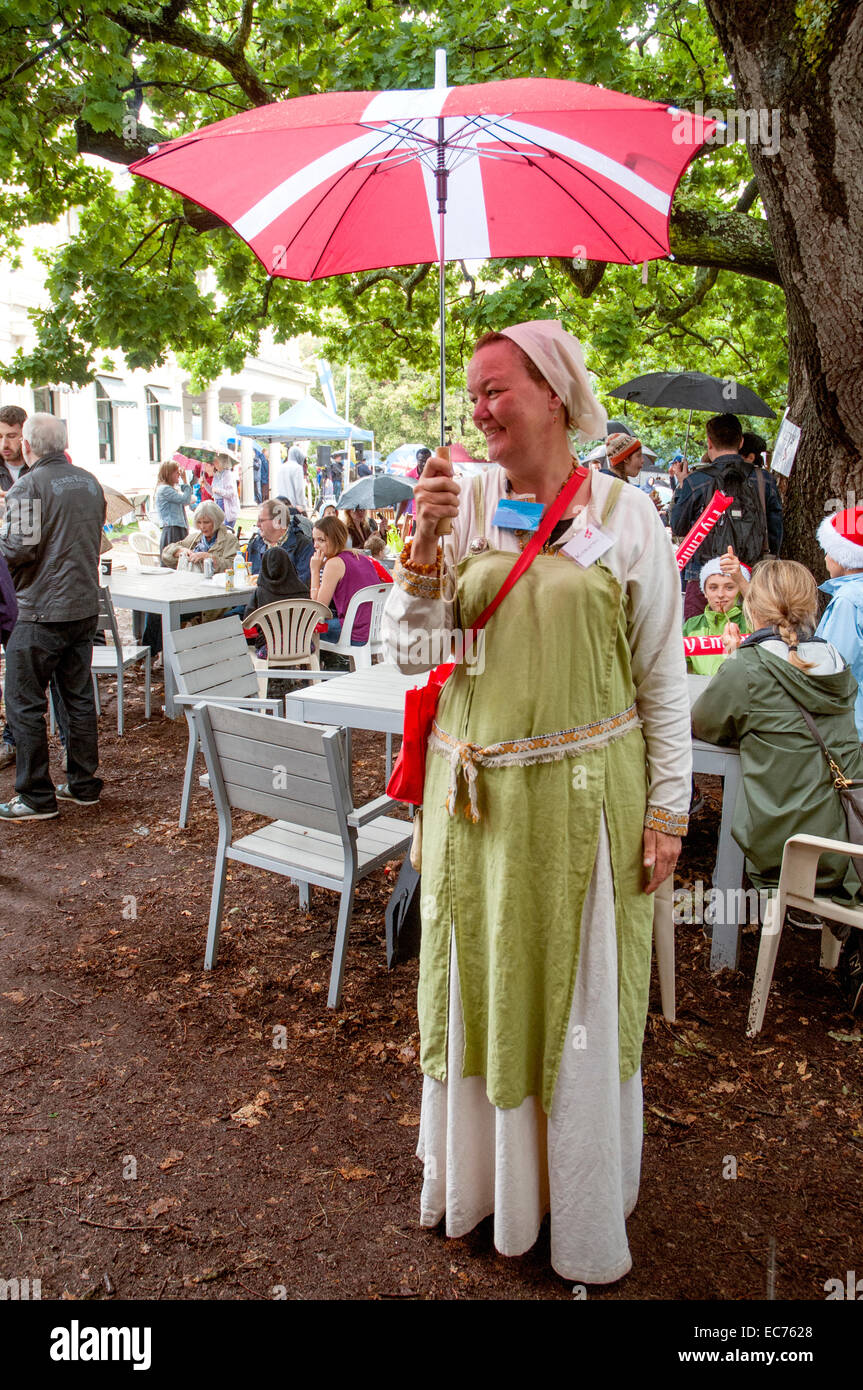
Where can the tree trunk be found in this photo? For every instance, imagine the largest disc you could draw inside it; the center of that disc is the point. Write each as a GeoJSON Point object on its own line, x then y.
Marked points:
{"type": "Point", "coordinates": [806, 63]}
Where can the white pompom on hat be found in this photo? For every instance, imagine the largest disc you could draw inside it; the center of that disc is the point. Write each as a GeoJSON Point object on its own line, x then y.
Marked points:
{"type": "Point", "coordinates": [841, 537]}
{"type": "Point", "coordinates": [713, 567]}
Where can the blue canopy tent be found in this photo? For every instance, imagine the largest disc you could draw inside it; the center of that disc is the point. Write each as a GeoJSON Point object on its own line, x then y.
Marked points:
{"type": "Point", "coordinates": [306, 419]}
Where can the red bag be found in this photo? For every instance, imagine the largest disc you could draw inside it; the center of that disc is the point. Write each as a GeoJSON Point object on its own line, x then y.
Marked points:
{"type": "Point", "coordinates": [407, 779]}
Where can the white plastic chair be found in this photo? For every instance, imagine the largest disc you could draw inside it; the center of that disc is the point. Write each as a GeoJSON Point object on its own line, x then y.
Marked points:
{"type": "Point", "coordinates": [298, 774]}
{"type": "Point", "coordinates": [288, 628]}
{"type": "Point", "coordinates": [376, 595]}
{"type": "Point", "coordinates": [211, 661]}
{"type": "Point", "coordinates": [797, 889]}
{"type": "Point", "coordinates": [115, 660]}
{"type": "Point", "coordinates": [146, 548]}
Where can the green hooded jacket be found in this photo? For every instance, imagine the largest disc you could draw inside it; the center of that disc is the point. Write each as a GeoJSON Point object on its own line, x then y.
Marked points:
{"type": "Point", "coordinates": [786, 787]}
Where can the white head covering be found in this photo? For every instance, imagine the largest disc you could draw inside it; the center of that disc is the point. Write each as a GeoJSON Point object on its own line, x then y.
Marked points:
{"type": "Point", "coordinates": [714, 567]}
{"type": "Point", "coordinates": [560, 359]}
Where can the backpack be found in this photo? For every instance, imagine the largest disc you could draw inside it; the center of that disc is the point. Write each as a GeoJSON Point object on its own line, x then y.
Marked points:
{"type": "Point", "coordinates": [744, 524]}
{"type": "Point", "coordinates": [299, 547]}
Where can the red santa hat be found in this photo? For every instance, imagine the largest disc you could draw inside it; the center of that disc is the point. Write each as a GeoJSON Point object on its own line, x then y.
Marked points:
{"type": "Point", "coordinates": [713, 567]}
{"type": "Point", "coordinates": [841, 537]}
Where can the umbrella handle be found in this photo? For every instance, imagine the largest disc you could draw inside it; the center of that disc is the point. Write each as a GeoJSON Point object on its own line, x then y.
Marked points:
{"type": "Point", "coordinates": [444, 526]}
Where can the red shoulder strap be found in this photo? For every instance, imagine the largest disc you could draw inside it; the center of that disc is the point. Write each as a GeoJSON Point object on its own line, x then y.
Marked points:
{"type": "Point", "coordinates": [550, 518]}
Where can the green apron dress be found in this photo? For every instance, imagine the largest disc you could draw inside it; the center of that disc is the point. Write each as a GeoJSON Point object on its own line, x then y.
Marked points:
{"type": "Point", "coordinates": [532, 744]}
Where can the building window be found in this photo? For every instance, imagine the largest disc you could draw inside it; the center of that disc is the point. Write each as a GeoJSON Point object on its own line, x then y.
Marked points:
{"type": "Point", "coordinates": [105, 417]}
{"type": "Point", "coordinates": [154, 427]}
{"type": "Point", "coordinates": [44, 399]}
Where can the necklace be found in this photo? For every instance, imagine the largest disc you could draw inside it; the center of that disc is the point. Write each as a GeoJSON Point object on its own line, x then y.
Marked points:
{"type": "Point", "coordinates": [550, 547]}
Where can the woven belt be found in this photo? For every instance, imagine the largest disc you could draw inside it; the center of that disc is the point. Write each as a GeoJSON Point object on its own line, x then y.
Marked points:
{"type": "Point", "coordinates": [466, 758]}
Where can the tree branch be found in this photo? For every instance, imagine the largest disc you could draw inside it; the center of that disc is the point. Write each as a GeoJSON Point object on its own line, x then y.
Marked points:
{"type": "Point", "coordinates": [164, 28]}
{"type": "Point", "coordinates": [723, 238]}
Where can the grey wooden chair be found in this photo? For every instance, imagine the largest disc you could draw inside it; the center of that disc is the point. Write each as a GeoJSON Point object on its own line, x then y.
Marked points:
{"type": "Point", "coordinates": [299, 775]}
{"type": "Point", "coordinates": [114, 659]}
{"type": "Point", "coordinates": [212, 661]}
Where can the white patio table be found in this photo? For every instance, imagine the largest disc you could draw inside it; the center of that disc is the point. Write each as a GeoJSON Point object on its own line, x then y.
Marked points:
{"type": "Point", "coordinates": [173, 595]}
{"type": "Point", "coordinates": [374, 699]}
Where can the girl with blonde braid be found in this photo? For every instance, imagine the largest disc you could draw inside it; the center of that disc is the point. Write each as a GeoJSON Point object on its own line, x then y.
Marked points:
{"type": "Point", "coordinates": [754, 701]}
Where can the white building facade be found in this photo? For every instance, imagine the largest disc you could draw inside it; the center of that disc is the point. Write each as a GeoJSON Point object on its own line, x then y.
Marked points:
{"type": "Point", "coordinates": [125, 423]}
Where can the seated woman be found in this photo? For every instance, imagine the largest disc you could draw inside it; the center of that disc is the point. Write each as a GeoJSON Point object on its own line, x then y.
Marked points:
{"type": "Point", "coordinates": [213, 539]}
{"type": "Point", "coordinates": [170, 502]}
{"type": "Point", "coordinates": [337, 573]}
{"type": "Point", "coordinates": [720, 587]}
{"type": "Point", "coordinates": [755, 701]}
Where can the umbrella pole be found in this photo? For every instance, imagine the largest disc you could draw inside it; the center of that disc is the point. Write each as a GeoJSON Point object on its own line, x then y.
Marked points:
{"type": "Point", "coordinates": [688, 427]}
{"type": "Point", "coordinates": [440, 80]}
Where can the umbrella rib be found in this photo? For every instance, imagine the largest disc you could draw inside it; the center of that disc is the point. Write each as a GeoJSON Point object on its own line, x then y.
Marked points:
{"type": "Point", "coordinates": [583, 173]}
{"type": "Point", "coordinates": [313, 212]}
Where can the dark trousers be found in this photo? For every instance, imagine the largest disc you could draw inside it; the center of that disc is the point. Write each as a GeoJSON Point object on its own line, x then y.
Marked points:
{"type": "Point", "coordinates": [694, 601]}
{"type": "Point", "coordinates": [59, 708]}
{"type": "Point", "coordinates": [35, 653]}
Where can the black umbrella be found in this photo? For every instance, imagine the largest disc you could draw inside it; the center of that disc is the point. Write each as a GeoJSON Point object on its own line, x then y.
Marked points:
{"type": "Point", "coordinates": [693, 391]}
{"type": "Point", "coordinates": [379, 491]}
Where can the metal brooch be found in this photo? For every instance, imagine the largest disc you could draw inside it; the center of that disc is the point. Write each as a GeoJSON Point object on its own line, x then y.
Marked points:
{"type": "Point", "coordinates": [479, 545]}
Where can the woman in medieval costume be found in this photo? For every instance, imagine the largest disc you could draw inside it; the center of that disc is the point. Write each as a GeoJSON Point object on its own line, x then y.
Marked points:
{"type": "Point", "coordinates": [557, 787]}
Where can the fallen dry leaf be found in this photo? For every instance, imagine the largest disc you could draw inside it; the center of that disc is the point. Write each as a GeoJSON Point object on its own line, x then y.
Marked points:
{"type": "Point", "coordinates": [353, 1174]}
{"type": "Point", "coordinates": [161, 1205]}
{"type": "Point", "coordinates": [253, 1111]}
{"type": "Point", "coordinates": [173, 1156]}
{"type": "Point", "coordinates": [410, 1119]}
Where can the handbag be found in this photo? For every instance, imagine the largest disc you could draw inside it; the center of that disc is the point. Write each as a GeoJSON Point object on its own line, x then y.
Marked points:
{"type": "Point", "coordinates": [407, 780]}
{"type": "Point", "coordinates": [850, 790]}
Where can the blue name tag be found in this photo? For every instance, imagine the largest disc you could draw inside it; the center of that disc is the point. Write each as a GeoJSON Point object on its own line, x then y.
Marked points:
{"type": "Point", "coordinates": [512, 515]}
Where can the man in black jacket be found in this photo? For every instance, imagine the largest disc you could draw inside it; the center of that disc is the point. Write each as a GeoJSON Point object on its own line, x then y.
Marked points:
{"type": "Point", "coordinates": [51, 538]}
{"type": "Point", "coordinates": [744, 526]}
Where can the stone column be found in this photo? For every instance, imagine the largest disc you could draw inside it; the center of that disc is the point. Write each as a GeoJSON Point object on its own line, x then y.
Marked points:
{"type": "Point", "coordinates": [247, 472]}
{"type": "Point", "coordinates": [211, 415]}
{"type": "Point", "coordinates": [275, 447]}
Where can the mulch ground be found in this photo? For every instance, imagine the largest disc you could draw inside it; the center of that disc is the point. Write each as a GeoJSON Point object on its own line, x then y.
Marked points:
{"type": "Point", "coordinates": [179, 1135]}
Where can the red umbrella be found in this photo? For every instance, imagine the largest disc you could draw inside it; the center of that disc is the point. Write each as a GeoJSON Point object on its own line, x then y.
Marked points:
{"type": "Point", "coordinates": [347, 181]}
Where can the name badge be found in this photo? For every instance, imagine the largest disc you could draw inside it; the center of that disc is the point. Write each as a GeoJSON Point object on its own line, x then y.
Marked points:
{"type": "Point", "coordinates": [588, 545]}
{"type": "Point", "coordinates": [515, 515]}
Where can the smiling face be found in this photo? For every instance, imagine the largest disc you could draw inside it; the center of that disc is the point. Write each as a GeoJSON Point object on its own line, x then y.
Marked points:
{"type": "Point", "coordinates": [720, 592]}
{"type": "Point", "coordinates": [511, 409]}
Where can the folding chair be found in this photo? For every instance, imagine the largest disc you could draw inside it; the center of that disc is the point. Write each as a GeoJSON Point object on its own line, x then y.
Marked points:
{"type": "Point", "coordinates": [298, 774]}
{"type": "Point", "coordinates": [115, 660]}
{"type": "Point", "coordinates": [211, 661]}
